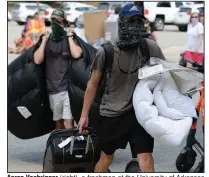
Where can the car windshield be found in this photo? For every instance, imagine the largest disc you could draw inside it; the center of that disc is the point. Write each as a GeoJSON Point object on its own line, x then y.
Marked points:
{"type": "Point", "coordinates": [66, 9]}
{"type": "Point", "coordinates": [201, 9]}
{"type": "Point", "coordinates": [31, 7]}
{"type": "Point", "coordinates": [44, 6]}
{"type": "Point", "coordinates": [185, 9]}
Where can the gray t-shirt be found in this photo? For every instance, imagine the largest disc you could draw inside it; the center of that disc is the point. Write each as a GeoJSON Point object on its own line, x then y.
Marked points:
{"type": "Point", "coordinates": [56, 68]}
{"type": "Point", "coordinates": [120, 87]}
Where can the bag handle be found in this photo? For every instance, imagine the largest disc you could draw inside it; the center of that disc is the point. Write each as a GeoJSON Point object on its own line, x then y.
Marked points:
{"type": "Point", "coordinates": [90, 129]}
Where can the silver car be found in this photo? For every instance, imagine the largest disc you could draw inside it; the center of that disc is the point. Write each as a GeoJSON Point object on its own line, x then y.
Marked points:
{"type": "Point", "coordinates": [21, 11]}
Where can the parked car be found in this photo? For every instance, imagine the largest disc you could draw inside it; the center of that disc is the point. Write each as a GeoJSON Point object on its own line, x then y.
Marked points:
{"type": "Point", "coordinates": [74, 10]}
{"type": "Point", "coordinates": [9, 16]}
{"type": "Point", "coordinates": [183, 16]}
{"type": "Point", "coordinates": [162, 12]}
{"type": "Point", "coordinates": [21, 11]}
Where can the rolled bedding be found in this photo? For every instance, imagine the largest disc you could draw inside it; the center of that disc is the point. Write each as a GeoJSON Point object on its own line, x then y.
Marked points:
{"type": "Point", "coordinates": [162, 110]}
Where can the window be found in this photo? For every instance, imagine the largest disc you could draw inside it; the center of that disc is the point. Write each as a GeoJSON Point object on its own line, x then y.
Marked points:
{"type": "Point", "coordinates": [199, 2]}
{"type": "Point", "coordinates": [80, 9]}
{"type": "Point", "coordinates": [66, 9]}
{"type": "Point", "coordinates": [31, 7]}
{"type": "Point", "coordinates": [201, 9]}
{"type": "Point", "coordinates": [87, 9]}
{"type": "Point", "coordinates": [185, 9]}
{"type": "Point", "coordinates": [91, 8]}
{"type": "Point", "coordinates": [164, 4]}
{"type": "Point", "coordinates": [45, 6]}
{"type": "Point", "coordinates": [178, 4]}
{"type": "Point", "coordinates": [16, 7]}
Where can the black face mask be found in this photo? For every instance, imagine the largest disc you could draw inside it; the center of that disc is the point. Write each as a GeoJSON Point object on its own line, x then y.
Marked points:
{"type": "Point", "coordinates": [129, 34]}
{"type": "Point", "coordinates": [58, 32]}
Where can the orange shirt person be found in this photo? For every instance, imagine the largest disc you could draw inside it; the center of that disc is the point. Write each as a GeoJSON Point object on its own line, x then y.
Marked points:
{"type": "Point", "coordinates": [36, 27]}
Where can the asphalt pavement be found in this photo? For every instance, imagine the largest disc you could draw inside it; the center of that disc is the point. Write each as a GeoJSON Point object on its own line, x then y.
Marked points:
{"type": "Point", "coordinates": [27, 155]}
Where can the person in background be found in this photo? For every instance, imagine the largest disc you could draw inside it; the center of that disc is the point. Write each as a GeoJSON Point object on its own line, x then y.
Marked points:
{"type": "Point", "coordinates": [150, 30]}
{"type": "Point", "coordinates": [56, 67]}
{"type": "Point", "coordinates": [22, 46]}
{"type": "Point", "coordinates": [24, 42]}
{"type": "Point", "coordinates": [195, 40]}
{"type": "Point", "coordinates": [36, 27]}
{"type": "Point", "coordinates": [202, 19]}
{"type": "Point", "coordinates": [117, 10]}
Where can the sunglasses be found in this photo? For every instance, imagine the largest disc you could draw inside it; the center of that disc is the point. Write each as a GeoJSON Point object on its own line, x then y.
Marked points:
{"type": "Point", "coordinates": [194, 17]}
{"type": "Point", "coordinates": [57, 21]}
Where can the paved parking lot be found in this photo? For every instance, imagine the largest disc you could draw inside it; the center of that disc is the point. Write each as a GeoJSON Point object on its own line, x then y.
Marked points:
{"type": "Point", "coordinates": [27, 155]}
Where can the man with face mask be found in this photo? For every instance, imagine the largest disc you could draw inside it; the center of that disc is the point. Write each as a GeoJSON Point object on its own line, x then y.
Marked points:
{"type": "Point", "coordinates": [118, 122]}
{"type": "Point", "coordinates": [56, 67]}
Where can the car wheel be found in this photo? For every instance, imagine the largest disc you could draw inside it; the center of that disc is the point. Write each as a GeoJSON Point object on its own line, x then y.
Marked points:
{"type": "Point", "coordinates": [159, 24]}
{"type": "Point", "coordinates": [20, 23]}
{"type": "Point", "coordinates": [183, 28]}
{"type": "Point", "coordinates": [186, 160]}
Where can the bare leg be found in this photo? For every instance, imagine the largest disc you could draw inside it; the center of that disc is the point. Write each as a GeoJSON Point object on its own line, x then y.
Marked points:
{"type": "Point", "coordinates": [104, 162]}
{"type": "Point", "coordinates": [146, 162]}
{"type": "Point", "coordinates": [11, 50]}
{"type": "Point", "coordinates": [21, 49]}
{"type": "Point", "coordinates": [69, 123]}
{"type": "Point", "coordinates": [60, 124]}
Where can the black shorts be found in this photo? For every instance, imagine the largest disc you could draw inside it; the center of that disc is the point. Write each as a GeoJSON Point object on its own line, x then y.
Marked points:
{"type": "Point", "coordinates": [116, 132]}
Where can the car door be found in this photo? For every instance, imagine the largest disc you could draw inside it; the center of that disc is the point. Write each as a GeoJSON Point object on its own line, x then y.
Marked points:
{"type": "Point", "coordinates": [183, 15]}
{"type": "Point", "coordinates": [175, 9]}
{"type": "Point", "coordinates": [168, 9]}
{"type": "Point", "coordinates": [164, 8]}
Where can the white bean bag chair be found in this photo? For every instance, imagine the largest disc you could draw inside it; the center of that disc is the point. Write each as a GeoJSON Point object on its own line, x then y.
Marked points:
{"type": "Point", "coordinates": [162, 110]}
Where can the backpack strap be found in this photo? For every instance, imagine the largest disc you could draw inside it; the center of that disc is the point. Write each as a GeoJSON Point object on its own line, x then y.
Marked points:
{"type": "Point", "coordinates": [109, 55]}
{"type": "Point", "coordinates": [144, 51]}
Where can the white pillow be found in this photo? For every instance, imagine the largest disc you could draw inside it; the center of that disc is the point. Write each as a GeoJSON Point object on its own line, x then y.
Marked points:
{"type": "Point", "coordinates": [170, 102]}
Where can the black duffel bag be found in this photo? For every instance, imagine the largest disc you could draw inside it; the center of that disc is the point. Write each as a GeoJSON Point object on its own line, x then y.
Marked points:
{"type": "Point", "coordinates": [67, 151]}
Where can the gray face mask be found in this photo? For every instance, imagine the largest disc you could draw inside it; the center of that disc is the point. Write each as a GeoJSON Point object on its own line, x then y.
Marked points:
{"type": "Point", "coordinates": [129, 34]}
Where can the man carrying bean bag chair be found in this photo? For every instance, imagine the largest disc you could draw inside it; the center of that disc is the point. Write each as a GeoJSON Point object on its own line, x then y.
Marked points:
{"type": "Point", "coordinates": [29, 113]}
{"type": "Point", "coordinates": [164, 112]}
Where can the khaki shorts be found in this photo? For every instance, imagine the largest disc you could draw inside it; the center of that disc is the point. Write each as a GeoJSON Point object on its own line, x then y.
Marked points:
{"type": "Point", "coordinates": [60, 106]}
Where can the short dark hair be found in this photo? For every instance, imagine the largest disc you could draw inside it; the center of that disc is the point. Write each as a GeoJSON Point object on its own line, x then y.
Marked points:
{"type": "Point", "coordinates": [117, 10]}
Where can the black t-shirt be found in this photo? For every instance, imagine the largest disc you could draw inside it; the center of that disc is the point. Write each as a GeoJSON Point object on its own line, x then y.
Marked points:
{"type": "Point", "coordinates": [56, 68]}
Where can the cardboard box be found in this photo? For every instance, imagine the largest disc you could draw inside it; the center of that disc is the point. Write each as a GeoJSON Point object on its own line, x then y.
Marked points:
{"type": "Point", "coordinates": [94, 24]}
